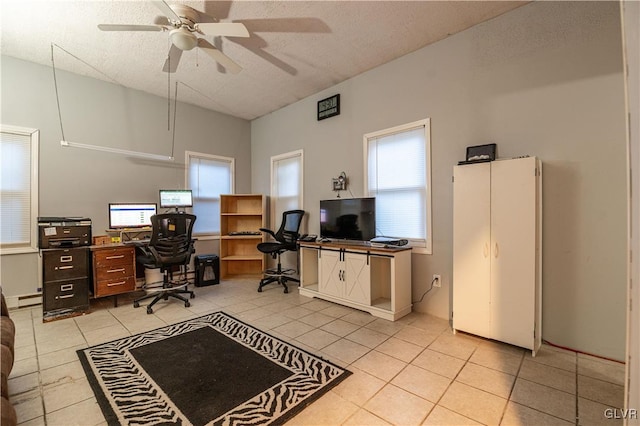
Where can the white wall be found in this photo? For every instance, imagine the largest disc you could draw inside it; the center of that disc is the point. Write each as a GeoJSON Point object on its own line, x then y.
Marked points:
{"type": "Point", "coordinates": [78, 182]}
{"type": "Point", "coordinates": [543, 80]}
{"type": "Point", "coordinates": [631, 34]}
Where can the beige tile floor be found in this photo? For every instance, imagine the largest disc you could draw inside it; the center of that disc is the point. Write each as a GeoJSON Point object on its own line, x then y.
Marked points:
{"type": "Point", "coordinates": [414, 371]}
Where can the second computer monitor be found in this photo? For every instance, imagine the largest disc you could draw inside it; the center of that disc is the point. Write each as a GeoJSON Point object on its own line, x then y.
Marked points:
{"type": "Point", "coordinates": [176, 198]}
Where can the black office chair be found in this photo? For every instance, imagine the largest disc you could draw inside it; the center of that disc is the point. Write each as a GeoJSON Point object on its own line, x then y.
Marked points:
{"type": "Point", "coordinates": [286, 239]}
{"type": "Point", "coordinates": [171, 245]}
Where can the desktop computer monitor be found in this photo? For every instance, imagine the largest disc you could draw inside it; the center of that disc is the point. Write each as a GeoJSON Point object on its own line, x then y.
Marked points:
{"type": "Point", "coordinates": [176, 198]}
{"type": "Point", "coordinates": [131, 215]}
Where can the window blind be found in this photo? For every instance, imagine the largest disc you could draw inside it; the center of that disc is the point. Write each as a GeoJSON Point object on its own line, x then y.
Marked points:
{"type": "Point", "coordinates": [397, 177]}
{"type": "Point", "coordinates": [207, 179]}
{"type": "Point", "coordinates": [16, 190]}
{"type": "Point", "coordinates": [286, 184]}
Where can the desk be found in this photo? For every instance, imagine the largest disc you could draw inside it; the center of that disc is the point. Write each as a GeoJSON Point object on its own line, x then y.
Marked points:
{"type": "Point", "coordinates": [114, 269]}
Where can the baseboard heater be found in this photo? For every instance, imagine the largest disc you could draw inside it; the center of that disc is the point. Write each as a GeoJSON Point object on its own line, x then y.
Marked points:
{"type": "Point", "coordinates": [24, 300]}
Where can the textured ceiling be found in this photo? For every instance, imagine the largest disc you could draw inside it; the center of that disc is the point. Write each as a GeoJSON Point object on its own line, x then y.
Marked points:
{"type": "Point", "coordinates": [295, 48]}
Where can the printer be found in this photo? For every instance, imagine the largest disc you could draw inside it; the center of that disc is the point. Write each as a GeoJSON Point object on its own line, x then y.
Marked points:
{"type": "Point", "coordinates": [63, 232]}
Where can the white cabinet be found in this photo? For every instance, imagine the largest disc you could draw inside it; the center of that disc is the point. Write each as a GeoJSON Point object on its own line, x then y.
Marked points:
{"type": "Point", "coordinates": [345, 275]}
{"type": "Point", "coordinates": [372, 279]}
{"type": "Point", "coordinates": [497, 289]}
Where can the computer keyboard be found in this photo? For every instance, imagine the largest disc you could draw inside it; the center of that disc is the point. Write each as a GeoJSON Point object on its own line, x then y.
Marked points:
{"type": "Point", "coordinates": [137, 242]}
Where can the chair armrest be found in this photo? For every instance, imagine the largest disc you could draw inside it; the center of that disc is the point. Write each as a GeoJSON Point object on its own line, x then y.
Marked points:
{"type": "Point", "coordinates": [268, 231]}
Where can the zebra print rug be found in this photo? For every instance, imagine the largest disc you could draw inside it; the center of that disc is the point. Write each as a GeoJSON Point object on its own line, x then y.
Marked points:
{"type": "Point", "coordinates": [211, 370]}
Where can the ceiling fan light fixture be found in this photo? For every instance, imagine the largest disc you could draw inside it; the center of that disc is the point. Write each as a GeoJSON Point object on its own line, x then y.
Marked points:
{"type": "Point", "coordinates": [183, 38]}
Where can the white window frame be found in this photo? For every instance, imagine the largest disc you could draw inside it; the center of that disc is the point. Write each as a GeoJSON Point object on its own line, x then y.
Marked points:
{"type": "Point", "coordinates": [275, 221]}
{"type": "Point", "coordinates": [419, 246]}
{"type": "Point", "coordinates": [34, 134]}
{"type": "Point", "coordinates": [188, 155]}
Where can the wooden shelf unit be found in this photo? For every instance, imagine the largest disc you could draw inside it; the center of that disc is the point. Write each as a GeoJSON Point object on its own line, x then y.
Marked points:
{"type": "Point", "coordinates": [238, 253]}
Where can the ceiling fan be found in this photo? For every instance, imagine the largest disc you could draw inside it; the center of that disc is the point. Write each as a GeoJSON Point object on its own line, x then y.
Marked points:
{"type": "Point", "coordinates": [182, 23]}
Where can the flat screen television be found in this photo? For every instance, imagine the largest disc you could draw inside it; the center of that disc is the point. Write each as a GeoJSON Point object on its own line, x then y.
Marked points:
{"type": "Point", "coordinates": [130, 215]}
{"type": "Point", "coordinates": [348, 218]}
{"type": "Point", "coordinates": [178, 198]}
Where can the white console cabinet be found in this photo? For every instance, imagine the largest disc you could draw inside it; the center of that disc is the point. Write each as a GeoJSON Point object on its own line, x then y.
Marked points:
{"type": "Point", "coordinates": [372, 279]}
{"type": "Point", "coordinates": [497, 291]}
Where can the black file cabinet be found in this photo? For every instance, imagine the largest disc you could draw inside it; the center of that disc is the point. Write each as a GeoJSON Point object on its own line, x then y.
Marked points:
{"type": "Point", "coordinates": [65, 274]}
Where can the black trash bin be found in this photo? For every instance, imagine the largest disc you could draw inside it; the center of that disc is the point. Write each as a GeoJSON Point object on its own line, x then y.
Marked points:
{"type": "Point", "coordinates": [207, 269]}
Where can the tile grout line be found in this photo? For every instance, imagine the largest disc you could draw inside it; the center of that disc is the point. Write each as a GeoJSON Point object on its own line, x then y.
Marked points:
{"type": "Point", "coordinates": [40, 387]}
{"type": "Point", "coordinates": [513, 386]}
{"type": "Point", "coordinates": [453, 379]}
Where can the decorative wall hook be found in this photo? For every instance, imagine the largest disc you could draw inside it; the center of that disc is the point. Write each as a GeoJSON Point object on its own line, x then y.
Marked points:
{"type": "Point", "coordinates": [340, 183]}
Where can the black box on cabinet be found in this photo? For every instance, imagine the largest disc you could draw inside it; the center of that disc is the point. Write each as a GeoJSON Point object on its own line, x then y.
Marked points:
{"type": "Point", "coordinates": [480, 154]}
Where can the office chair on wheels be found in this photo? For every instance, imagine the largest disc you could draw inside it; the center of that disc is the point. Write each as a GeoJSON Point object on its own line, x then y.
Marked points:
{"type": "Point", "coordinates": [285, 240]}
{"type": "Point", "coordinates": [170, 246]}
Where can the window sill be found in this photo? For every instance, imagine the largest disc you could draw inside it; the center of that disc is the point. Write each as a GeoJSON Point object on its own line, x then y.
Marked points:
{"type": "Point", "coordinates": [18, 250]}
{"type": "Point", "coordinates": [421, 250]}
{"type": "Point", "coordinates": [206, 237]}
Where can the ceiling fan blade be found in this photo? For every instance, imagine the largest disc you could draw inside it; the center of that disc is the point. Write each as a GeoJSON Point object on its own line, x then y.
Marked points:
{"type": "Point", "coordinates": [166, 9]}
{"type": "Point", "coordinates": [162, 20]}
{"type": "Point", "coordinates": [219, 57]}
{"type": "Point", "coordinates": [119, 27]}
{"type": "Point", "coordinates": [227, 29]}
{"type": "Point", "coordinates": [287, 25]}
{"type": "Point", "coordinates": [173, 59]}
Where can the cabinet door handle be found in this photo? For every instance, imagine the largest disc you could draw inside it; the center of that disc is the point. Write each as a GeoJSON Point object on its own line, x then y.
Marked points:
{"type": "Point", "coordinates": [61, 268]}
{"type": "Point", "coordinates": [496, 251]}
{"type": "Point", "coordinates": [115, 270]}
{"type": "Point", "coordinates": [115, 257]}
{"type": "Point", "coordinates": [66, 258]}
{"type": "Point", "coordinates": [114, 284]}
{"type": "Point", "coordinates": [69, 296]}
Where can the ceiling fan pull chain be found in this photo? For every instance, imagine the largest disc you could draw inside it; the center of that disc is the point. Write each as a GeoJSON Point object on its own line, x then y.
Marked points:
{"type": "Point", "coordinates": [55, 84]}
{"type": "Point", "coordinates": [169, 90]}
{"type": "Point", "coordinates": [175, 113]}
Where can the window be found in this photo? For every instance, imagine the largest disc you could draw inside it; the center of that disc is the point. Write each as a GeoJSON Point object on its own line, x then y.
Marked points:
{"type": "Point", "coordinates": [18, 189]}
{"type": "Point", "coordinates": [208, 176]}
{"type": "Point", "coordinates": [398, 174]}
{"type": "Point", "coordinates": [286, 184]}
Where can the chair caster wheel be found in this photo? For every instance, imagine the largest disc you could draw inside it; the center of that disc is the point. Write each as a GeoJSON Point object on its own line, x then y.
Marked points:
{"type": "Point", "coordinates": [259, 289]}
{"type": "Point", "coordinates": [192, 295]}
{"type": "Point", "coordinates": [149, 311]}
{"type": "Point", "coordinates": [286, 290]}
{"type": "Point", "coordinates": [136, 305]}
{"type": "Point", "coordinates": [187, 304]}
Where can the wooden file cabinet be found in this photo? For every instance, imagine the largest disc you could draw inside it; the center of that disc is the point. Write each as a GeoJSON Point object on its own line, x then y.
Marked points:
{"type": "Point", "coordinates": [114, 270]}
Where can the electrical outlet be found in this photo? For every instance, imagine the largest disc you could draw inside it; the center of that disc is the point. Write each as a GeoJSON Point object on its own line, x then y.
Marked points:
{"type": "Point", "coordinates": [437, 280]}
